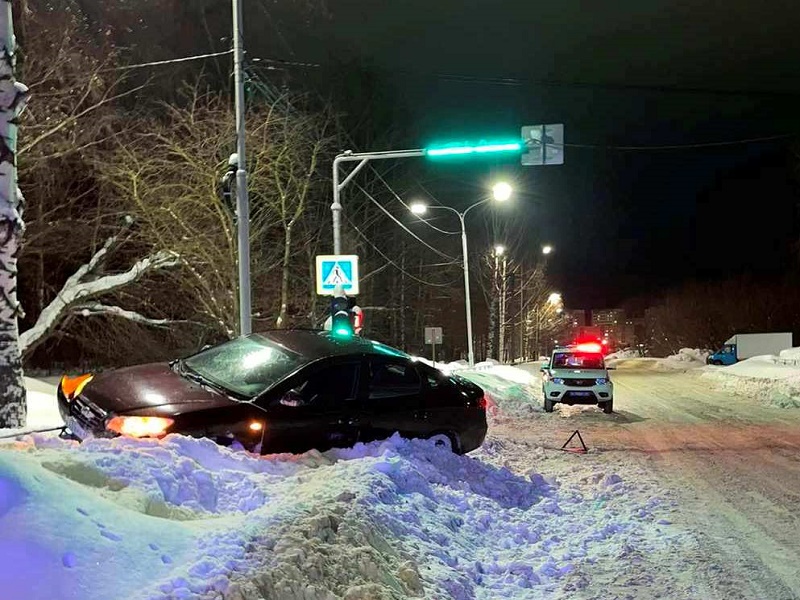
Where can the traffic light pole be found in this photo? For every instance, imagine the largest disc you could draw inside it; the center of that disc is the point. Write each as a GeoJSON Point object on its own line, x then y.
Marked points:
{"type": "Point", "coordinates": [362, 158]}
{"type": "Point", "coordinates": [242, 201]}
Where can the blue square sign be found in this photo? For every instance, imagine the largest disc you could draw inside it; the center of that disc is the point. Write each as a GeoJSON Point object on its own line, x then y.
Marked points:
{"type": "Point", "coordinates": [337, 271]}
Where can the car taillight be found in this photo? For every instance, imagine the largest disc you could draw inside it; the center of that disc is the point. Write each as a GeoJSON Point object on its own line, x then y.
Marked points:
{"type": "Point", "coordinates": [483, 403]}
{"type": "Point", "coordinates": [139, 426]}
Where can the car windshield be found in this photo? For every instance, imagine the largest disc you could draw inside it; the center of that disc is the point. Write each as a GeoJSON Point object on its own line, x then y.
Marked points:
{"type": "Point", "coordinates": [578, 360]}
{"type": "Point", "coordinates": [246, 366]}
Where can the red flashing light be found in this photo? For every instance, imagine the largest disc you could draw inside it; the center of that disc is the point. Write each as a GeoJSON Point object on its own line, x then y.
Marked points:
{"type": "Point", "coordinates": [589, 347]}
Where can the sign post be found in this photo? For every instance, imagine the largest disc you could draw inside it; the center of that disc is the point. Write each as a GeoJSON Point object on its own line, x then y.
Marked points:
{"type": "Point", "coordinates": [433, 336]}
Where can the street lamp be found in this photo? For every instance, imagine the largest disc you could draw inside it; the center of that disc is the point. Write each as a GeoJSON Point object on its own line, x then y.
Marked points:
{"type": "Point", "coordinates": [419, 208]}
{"type": "Point", "coordinates": [547, 249]}
{"type": "Point", "coordinates": [499, 250]}
{"type": "Point", "coordinates": [502, 191]}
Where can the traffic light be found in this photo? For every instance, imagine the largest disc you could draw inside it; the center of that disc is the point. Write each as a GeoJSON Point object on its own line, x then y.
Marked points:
{"type": "Point", "coordinates": [341, 317]}
{"type": "Point", "coordinates": [465, 148]}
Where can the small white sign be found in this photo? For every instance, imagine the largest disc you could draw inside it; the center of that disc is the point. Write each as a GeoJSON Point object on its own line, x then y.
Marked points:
{"type": "Point", "coordinates": [433, 335]}
{"type": "Point", "coordinates": [337, 271]}
{"type": "Point", "coordinates": [544, 144]}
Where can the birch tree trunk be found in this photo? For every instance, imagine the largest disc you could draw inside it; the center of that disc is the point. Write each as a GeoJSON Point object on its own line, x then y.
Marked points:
{"type": "Point", "coordinates": [13, 96]}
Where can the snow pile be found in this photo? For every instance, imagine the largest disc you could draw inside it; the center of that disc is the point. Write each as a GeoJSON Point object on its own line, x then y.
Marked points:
{"type": "Point", "coordinates": [623, 354]}
{"type": "Point", "coordinates": [511, 392]}
{"type": "Point", "coordinates": [686, 358]}
{"type": "Point", "coordinates": [772, 380]}
{"type": "Point", "coordinates": [184, 518]}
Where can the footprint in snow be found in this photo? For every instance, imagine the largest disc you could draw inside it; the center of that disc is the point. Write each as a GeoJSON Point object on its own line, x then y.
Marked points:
{"type": "Point", "coordinates": [112, 536]}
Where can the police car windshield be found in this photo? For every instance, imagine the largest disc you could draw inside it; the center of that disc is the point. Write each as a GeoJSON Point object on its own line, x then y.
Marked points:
{"type": "Point", "coordinates": [577, 360]}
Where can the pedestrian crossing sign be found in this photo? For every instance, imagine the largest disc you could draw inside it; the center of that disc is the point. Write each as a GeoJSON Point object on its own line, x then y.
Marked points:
{"type": "Point", "coordinates": [337, 271]}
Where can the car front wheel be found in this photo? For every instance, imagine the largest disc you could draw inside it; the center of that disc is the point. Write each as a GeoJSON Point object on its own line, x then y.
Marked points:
{"type": "Point", "coordinates": [447, 441]}
{"type": "Point", "coordinates": [548, 405]}
{"type": "Point", "coordinates": [608, 406]}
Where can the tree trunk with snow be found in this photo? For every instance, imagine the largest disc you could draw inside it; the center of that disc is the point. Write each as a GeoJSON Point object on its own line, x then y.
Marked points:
{"type": "Point", "coordinates": [13, 96]}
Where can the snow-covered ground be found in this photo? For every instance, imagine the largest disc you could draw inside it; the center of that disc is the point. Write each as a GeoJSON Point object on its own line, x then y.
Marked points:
{"type": "Point", "coordinates": [184, 518]}
{"type": "Point", "coordinates": [774, 380]}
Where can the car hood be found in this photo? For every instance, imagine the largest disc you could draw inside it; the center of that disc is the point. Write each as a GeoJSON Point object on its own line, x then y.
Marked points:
{"type": "Point", "coordinates": [579, 373]}
{"type": "Point", "coordinates": [153, 386]}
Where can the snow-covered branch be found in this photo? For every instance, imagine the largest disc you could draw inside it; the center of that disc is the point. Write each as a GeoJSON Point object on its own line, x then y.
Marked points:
{"type": "Point", "coordinates": [96, 308]}
{"type": "Point", "coordinates": [85, 284]}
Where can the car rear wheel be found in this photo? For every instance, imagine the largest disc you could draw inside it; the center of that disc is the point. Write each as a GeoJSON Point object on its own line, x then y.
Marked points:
{"type": "Point", "coordinates": [447, 441]}
{"type": "Point", "coordinates": [548, 405]}
{"type": "Point", "coordinates": [608, 406]}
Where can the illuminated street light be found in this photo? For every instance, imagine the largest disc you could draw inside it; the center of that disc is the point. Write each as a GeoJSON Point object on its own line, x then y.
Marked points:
{"type": "Point", "coordinates": [502, 191]}
{"type": "Point", "coordinates": [554, 298]}
{"type": "Point", "coordinates": [499, 250]}
{"type": "Point", "coordinates": [418, 208]}
{"type": "Point", "coordinates": [547, 249]}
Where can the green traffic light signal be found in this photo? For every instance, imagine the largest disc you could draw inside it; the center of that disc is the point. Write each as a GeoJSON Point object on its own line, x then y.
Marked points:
{"type": "Point", "coordinates": [465, 149]}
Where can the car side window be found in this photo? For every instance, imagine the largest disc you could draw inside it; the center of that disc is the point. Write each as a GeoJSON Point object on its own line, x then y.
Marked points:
{"type": "Point", "coordinates": [392, 379]}
{"type": "Point", "coordinates": [331, 384]}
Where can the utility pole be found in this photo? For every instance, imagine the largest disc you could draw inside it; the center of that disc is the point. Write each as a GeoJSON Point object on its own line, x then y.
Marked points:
{"type": "Point", "coordinates": [242, 202]}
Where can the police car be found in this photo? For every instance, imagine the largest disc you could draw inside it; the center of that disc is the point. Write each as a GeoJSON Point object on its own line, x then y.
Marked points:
{"type": "Point", "coordinates": [577, 375]}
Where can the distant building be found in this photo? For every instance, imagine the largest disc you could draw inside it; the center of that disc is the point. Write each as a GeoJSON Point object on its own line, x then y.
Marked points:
{"type": "Point", "coordinates": [612, 323]}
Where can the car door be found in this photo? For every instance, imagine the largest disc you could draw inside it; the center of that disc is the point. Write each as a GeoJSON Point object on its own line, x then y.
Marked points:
{"type": "Point", "coordinates": [392, 398]}
{"type": "Point", "coordinates": [319, 410]}
{"type": "Point", "coordinates": [442, 407]}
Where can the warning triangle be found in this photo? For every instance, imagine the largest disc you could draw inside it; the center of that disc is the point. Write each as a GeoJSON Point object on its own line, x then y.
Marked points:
{"type": "Point", "coordinates": [577, 450]}
{"type": "Point", "coordinates": [336, 277]}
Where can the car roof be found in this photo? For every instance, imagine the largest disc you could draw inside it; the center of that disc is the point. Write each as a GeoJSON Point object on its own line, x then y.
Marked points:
{"type": "Point", "coordinates": [314, 343]}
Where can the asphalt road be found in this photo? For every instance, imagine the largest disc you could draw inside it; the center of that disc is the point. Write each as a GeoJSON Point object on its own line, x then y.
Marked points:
{"type": "Point", "coordinates": [734, 463]}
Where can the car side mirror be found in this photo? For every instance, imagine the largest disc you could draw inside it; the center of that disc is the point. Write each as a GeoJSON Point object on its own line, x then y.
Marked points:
{"type": "Point", "coordinates": [292, 398]}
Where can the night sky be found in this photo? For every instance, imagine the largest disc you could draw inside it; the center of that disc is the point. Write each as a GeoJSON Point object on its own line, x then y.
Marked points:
{"type": "Point", "coordinates": [625, 223]}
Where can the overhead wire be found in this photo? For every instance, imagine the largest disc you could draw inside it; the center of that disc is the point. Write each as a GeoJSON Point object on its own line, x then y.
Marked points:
{"type": "Point", "coordinates": [401, 201]}
{"type": "Point", "coordinates": [157, 63]}
{"type": "Point", "coordinates": [391, 262]}
{"type": "Point", "coordinates": [754, 140]}
{"type": "Point", "coordinates": [406, 229]}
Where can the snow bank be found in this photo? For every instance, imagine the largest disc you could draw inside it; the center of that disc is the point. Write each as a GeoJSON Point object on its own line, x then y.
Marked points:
{"type": "Point", "coordinates": [511, 392]}
{"type": "Point", "coordinates": [184, 518]}
{"type": "Point", "coordinates": [623, 354]}
{"type": "Point", "coordinates": [772, 380]}
{"type": "Point", "coordinates": [686, 358]}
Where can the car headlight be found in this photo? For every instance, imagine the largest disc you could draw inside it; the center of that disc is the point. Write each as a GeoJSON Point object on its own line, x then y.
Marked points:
{"type": "Point", "coordinates": [139, 426]}
{"type": "Point", "coordinates": [601, 381]}
{"type": "Point", "coordinates": [558, 380]}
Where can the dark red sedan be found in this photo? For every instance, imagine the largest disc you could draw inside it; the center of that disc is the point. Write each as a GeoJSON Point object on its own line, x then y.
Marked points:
{"type": "Point", "coordinates": [280, 391]}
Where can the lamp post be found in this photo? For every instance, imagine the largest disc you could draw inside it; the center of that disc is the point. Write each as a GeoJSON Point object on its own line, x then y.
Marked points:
{"type": "Point", "coordinates": [419, 209]}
